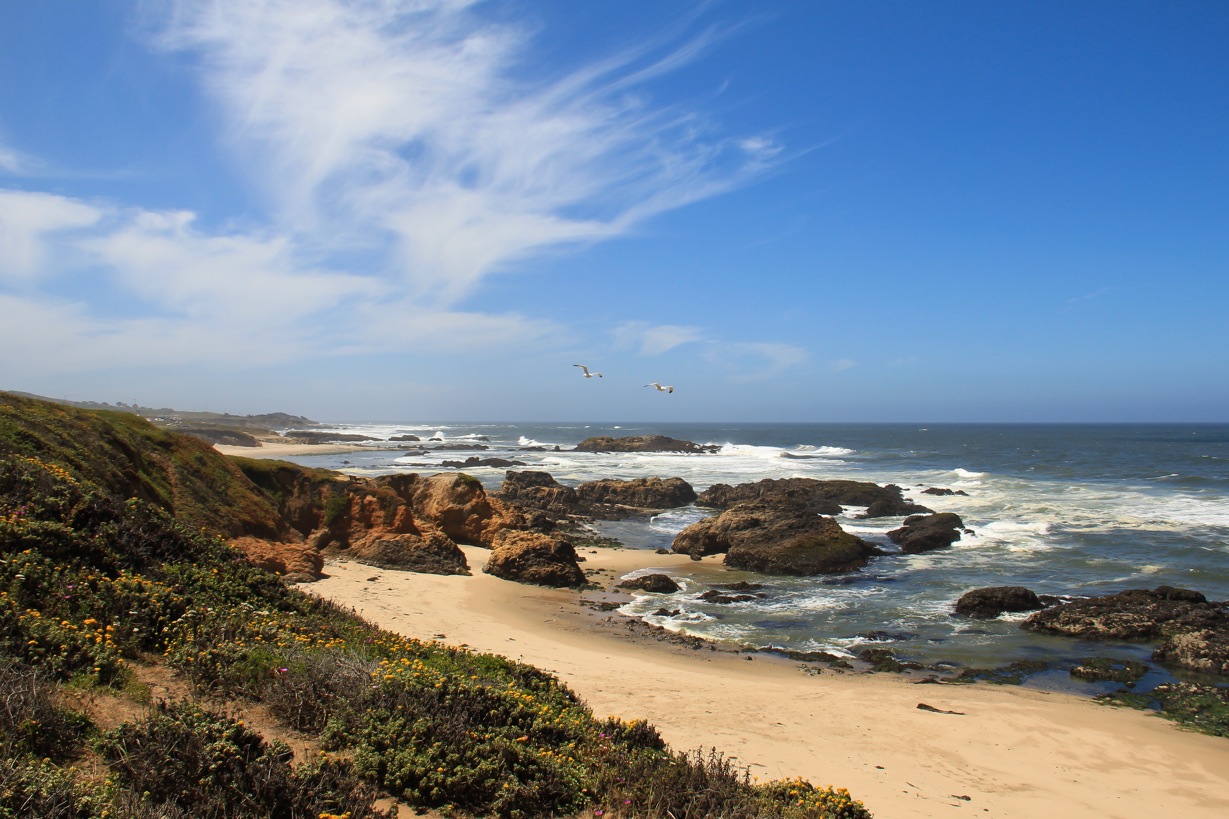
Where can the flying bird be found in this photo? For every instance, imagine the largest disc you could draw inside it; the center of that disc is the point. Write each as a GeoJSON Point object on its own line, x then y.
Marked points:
{"type": "Point", "coordinates": [660, 388]}
{"type": "Point", "coordinates": [587, 373]}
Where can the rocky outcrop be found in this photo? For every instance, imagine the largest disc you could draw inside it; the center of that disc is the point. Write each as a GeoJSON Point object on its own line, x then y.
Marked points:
{"type": "Point", "coordinates": [821, 497]}
{"type": "Point", "coordinates": [1193, 631]}
{"type": "Point", "coordinates": [605, 499]}
{"type": "Point", "coordinates": [990, 602]}
{"type": "Point", "coordinates": [410, 522]}
{"type": "Point", "coordinates": [925, 533]}
{"type": "Point", "coordinates": [533, 557]}
{"type": "Point", "coordinates": [1137, 614]}
{"type": "Point", "coordinates": [642, 493]}
{"type": "Point", "coordinates": [1202, 650]}
{"type": "Point", "coordinates": [652, 583]}
{"type": "Point", "coordinates": [533, 489]}
{"type": "Point", "coordinates": [775, 539]}
{"type": "Point", "coordinates": [643, 443]}
{"type": "Point", "coordinates": [940, 490]}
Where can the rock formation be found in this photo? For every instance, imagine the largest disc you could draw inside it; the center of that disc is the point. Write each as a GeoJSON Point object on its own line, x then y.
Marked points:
{"type": "Point", "coordinates": [643, 443]}
{"type": "Point", "coordinates": [822, 497]}
{"type": "Point", "coordinates": [652, 583]}
{"type": "Point", "coordinates": [532, 557]}
{"type": "Point", "coordinates": [775, 539]}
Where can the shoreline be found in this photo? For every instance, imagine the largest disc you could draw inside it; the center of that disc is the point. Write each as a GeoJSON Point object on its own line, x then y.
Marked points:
{"type": "Point", "coordinates": [274, 449]}
{"type": "Point", "coordinates": [1003, 751]}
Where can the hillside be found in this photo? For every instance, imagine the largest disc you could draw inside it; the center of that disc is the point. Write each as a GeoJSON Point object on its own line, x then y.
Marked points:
{"type": "Point", "coordinates": [115, 572]}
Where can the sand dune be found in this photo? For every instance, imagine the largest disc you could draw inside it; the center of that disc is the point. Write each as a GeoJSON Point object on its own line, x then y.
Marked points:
{"type": "Point", "coordinates": [1008, 752]}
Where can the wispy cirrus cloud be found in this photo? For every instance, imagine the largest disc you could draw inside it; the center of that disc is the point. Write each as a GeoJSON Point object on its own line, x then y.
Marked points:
{"type": "Point", "coordinates": [419, 124]}
{"type": "Point", "coordinates": [755, 360]}
{"type": "Point", "coordinates": [650, 339]}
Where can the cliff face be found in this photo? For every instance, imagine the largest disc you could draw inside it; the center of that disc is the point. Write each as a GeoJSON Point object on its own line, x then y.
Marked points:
{"type": "Point", "coordinates": [283, 516]}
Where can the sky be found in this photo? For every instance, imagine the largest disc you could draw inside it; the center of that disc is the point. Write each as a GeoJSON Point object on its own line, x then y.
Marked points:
{"type": "Point", "coordinates": [431, 210]}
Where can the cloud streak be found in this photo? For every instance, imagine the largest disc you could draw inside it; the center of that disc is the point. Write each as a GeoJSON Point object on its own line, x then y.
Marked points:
{"type": "Point", "coordinates": [416, 124]}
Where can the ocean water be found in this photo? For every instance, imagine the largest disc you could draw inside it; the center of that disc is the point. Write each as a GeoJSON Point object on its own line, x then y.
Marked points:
{"type": "Point", "coordinates": [1069, 510]}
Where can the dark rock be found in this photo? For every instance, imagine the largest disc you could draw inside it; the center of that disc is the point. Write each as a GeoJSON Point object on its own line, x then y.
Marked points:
{"type": "Point", "coordinates": [775, 539]}
{"type": "Point", "coordinates": [716, 596]}
{"type": "Point", "coordinates": [652, 583]}
{"type": "Point", "coordinates": [741, 585]}
{"type": "Point", "coordinates": [938, 490]}
{"type": "Point", "coordinates": [663, 612]}
{"type": "Point", "coordinates": [886, 636]}
{"type": "Point", "coordinates": [643, 493]}
{"type": "Point", "coordinates": [405, 438]}
{"type": "Point", "coordinates": [643, 443]}
{"type": "Point", "coordinates": [925, 533]}
{"type": "Point", "coordinates": [456, 447]}
{"type": "Point", "coordinates": [300, 436]}
{"type": "Point", "coordinates": [1184, 595]}
{"type": "Point", "coordinates": [474, 461]}
{"type": "Point", "coordinates": [991, 602]}
{"type": "Point", "coordinates": [821, 497]}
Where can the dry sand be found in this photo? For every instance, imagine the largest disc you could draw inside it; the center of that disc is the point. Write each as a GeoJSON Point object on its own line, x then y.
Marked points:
{"type": "Point", "coordinates": [273, 449]}
{"type": "Point", "coordinates": [1009, 752]}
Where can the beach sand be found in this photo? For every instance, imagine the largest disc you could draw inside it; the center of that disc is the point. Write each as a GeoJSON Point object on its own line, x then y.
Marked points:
{"type": "Point", "coordinates": [273, 449]}
{"type": "Point", "coordinates": [1008, 752]}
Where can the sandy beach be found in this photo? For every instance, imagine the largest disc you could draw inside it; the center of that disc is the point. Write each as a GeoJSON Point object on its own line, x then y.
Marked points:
{"type": "Point", "coordinates": [1007, 752]}
{"type": "Point", "coordinates": [268, 449]}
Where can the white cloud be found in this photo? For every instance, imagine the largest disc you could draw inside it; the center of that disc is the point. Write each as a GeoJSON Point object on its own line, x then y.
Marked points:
{"type": "Point", "coordinates": [843, 364]}
{"type": "Point", "coordinates": [414, 119]}
{"type": "Point", "coordinates": [655, 339]}
{"type": "Point", "coordinates": [27, 221]}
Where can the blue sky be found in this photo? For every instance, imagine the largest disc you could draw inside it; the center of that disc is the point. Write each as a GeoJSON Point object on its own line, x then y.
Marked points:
{"type": "Point", "coordinates": [790, 211]}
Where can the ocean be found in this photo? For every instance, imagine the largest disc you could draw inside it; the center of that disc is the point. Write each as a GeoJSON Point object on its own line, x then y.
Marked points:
{"type": "Point", "coordinates": [1067, 510]}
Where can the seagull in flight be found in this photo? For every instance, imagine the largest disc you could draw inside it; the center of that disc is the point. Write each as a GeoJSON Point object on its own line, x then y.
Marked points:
{"type": "Point", "coordinates": [587, 373]}
{"type": "Point", "coordinates": [660, 388]}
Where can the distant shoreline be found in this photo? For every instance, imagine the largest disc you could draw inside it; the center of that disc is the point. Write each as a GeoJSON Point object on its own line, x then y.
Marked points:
{"type": "Point", "coordinates": [1014, 752]}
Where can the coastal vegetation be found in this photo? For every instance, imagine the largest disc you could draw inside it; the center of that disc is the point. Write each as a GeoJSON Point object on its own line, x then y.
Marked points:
{"type": "Point", "coordinates": [115, 570]}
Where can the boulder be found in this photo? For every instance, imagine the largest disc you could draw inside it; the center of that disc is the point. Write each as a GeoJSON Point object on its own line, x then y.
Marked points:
{"type": "Point", "coordinates": [643, 443]}
{"type": "Point", "coordinates": [533, 489]}
{"type": "Point", "coordinates": [642, 493]}
{"type": "Point", "coordinates": [991, 602]}
{"type": "Point", "coordinates": [822, 497]}
{"type": "Point", "coordinates": [430, 553]}
{"type": "Point", "coordinates": [532, 557]}
{"type": "Point", "coordinates": [653, 583]}
{"type": "Point", "coordinates": [925, 533]}
{"type": "Point", "coordinates": [775, 539]}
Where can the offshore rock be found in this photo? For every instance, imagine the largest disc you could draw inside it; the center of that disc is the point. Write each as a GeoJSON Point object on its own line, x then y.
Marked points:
{"type": "Point", "coordinates": [991, 602]}
{"type": "Point", "coordinates": [925, 533]}
{"type": "Point", "coordinates": [532, 557]}
{"type": "Point", "coordinates": [821, 497]}
{"type": "Point", "coordinates": [643, 443]}
{"type": "Point", "coordinates": [775, 539]}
